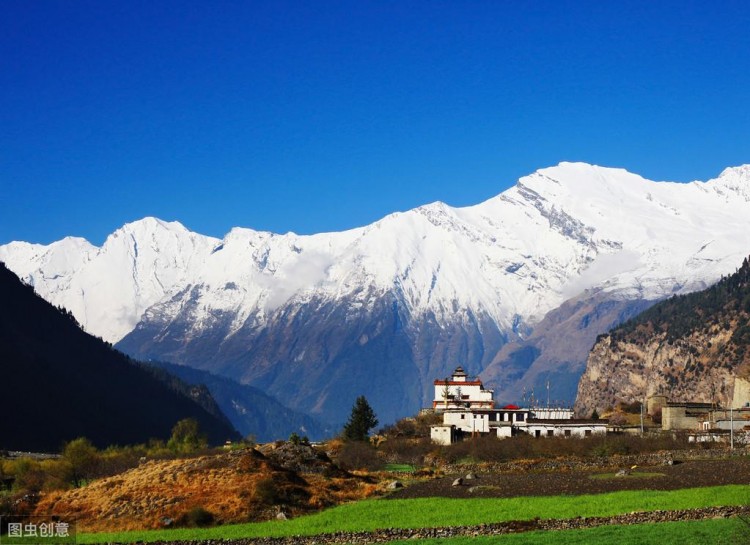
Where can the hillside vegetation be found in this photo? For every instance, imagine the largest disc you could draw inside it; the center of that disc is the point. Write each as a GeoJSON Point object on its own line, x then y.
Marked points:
{"type": "Point", "coordinates": [689, 348]}
{"type": "Point", "coordinates": [725, 305]}
{"type": "Point", "coordinates": [229, 487]}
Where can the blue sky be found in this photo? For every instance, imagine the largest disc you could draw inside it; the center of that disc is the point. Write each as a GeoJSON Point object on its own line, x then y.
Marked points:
{"type": "Point", "coordinates": [319, 116]}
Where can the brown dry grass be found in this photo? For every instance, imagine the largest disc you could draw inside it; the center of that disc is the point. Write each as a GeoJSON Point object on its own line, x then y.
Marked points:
{"type": "Point", "coordinates": [225, 484]}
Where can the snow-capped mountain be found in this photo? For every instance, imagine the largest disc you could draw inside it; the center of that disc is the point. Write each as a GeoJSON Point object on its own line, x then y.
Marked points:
{"type": "Point", "coordinates": [384, 309]}
{"type": "Point", "coordinates": [108, 289]}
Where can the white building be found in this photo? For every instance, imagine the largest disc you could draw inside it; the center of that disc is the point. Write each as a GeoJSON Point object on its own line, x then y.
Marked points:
{"type": "Point", "coordinates": [443, 434]}
{"type": "Point", "coordinates": [564, 428]}
{"type": "Point", "coordinates": [552, 413]}
{"type": "Point", "coordinates": [468, 409]}
{"type": "Point", "coordinates": [458, 392]}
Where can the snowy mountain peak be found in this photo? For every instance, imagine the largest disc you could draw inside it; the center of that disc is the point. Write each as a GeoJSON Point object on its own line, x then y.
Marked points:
{"type": "Point", "coordinates": [733, 180]}
{"type": "Point", "coordinates": [741, 172]}
{"type": "Point", "coordinates": [558, 231]}
{"type": "Point", "coordinates": [580, 179]}
{"type": "Point", "coordinates": [150, 228]}
{"type": "Point", "coordinates": [408, 295]}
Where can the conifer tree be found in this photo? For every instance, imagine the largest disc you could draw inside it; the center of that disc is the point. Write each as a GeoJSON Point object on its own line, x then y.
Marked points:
{"type": "Point", "coordinates": [361, 421]}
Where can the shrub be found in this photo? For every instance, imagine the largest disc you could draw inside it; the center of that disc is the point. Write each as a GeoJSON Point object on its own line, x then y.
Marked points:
{"type": "Point", "coordinates": [406, 451]}
{"type": "Point", "coordinates": [491, 449]}
{"type": "Point", "coordinates": [283, 489]}
{"type": "Point", "coordinates": [297, 440]}
{"type": "Point", "coordinates": [186, 437]}
{"type": "Point", "coordinates": [359, 455]}
{"type": "Point", "coordinates": [631, 408]}
{"type": "Point", "coordinates": [81, 461]}
{"type": "Point", "coordinates": [197, 517]}
{"type": "Point", "coordinates": [266, 492]}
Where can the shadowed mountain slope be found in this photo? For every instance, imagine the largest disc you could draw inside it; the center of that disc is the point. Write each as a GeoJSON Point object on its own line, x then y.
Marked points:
{"type": "Point", "coordinates": [59, 383]}
{"type": "Point", "coordinates": [250, 410]}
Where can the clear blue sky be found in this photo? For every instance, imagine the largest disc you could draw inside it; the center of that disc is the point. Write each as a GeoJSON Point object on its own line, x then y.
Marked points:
{"type": "Point", "coordinates": [317, 116]}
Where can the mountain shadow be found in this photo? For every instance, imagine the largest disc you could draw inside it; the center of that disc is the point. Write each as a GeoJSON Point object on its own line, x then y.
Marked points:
{"type": "Point", "coordinates": [250, 410]}
{"type": "Point", "coordinates": [59, 383]}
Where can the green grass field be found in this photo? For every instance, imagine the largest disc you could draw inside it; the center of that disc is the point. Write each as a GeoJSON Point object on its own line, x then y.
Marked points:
{"type": "Point", "coordinates": [705, 532]}
{"type": "Point", "coordinates": [435, 512]}
{"type": "Point", "coordinates": [399, 468]}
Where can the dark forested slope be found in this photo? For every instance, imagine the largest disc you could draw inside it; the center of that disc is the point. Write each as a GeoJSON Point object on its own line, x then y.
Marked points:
{"type": "Point", "coordinates": [59, 383]}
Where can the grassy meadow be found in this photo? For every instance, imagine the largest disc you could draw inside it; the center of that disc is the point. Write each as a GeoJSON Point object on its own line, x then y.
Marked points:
{"type": "Point", "coordinates": [705, 532]}
{"type": "Point", "coordinates": [375, 514]}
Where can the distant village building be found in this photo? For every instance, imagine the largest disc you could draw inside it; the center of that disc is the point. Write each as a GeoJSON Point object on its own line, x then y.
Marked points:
{"type": "Point", "coordinates": [565, 428]}
{"type": "Point", "coordinates": [468, 409]}
{"type": "Point", "coordinates": [707, 422]}
{"type": "Point", "coordinates": [691, 415]}
{"type": "Point", "coordinates": [553, 413]}
{"type": "Point", "coordinates": [741, 393]}
{"type": "Point", "coordinates": [684, 416]}
{"type": "Point", "coordinates": [458, 392]}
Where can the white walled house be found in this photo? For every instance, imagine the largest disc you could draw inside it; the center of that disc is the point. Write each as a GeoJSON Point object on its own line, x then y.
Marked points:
{"type": "Point", "coordinates": [564, 428]}
{"type": "Point", "coordinates": [468, 409]}
{"type": "Point", "coordinates": [552, 413]}
{"type": "Point", "coordinates": [459, 392]}
{"type": "Point", "coordinates": [484, 420]}
{"type": "Point", "coordinates": [443, 434]}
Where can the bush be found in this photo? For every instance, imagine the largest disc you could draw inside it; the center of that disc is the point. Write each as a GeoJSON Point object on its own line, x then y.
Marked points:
{"type": "Point", "coordinates": [186, 437]}
{"type": "Point", "coordinates": [283, 489]}
{"type": "Point", "coordinates": [418, 426]}
{"type": "Point", "coordinates": [491, 449]}
{"type": "Point", "coordinates": [81, 461]}
{"type": "Point", "coordinates": [359, 455]}
{"type": "Point", "coordinates": [297, 440]}
{"type": "Point", "coordinates": [631, 408]}
{"type": "Point", "coordinates": [266, 492]}
{"type": "Point", "coordinates": [197, 517]}
{"type": "Point", "coordinates": [401, 450]}
{"type": "Point", "coordinates": [29, 478]}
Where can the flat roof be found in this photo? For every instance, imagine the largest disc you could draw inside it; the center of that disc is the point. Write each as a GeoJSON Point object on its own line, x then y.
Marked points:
{"type": "Point", "coordinates": [559, 421]}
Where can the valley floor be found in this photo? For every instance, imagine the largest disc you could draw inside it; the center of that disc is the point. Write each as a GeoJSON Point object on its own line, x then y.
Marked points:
{"type": "Point", "coordinates": [687, 474]}
{"type": "Point", "coordinates": [638, 512]}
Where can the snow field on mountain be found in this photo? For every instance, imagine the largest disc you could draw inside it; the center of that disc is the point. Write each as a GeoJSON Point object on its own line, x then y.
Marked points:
{"type": "Point", "coordinates": [556, 233]}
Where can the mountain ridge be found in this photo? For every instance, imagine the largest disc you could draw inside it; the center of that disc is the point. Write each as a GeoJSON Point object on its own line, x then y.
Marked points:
{"type": "Point", "coordinates": [436, 285]}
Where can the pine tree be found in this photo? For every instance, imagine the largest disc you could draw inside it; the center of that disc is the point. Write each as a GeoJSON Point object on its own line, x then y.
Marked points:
{"type": "Point", "coordinates": [361, 421]}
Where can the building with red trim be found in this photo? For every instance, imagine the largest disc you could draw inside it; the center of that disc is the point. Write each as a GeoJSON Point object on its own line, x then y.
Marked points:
{"type": "Point", "coordinates": [459, 392]}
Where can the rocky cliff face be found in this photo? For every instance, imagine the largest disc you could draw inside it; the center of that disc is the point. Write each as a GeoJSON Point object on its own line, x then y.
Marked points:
{"type": "Point", "coordinates": [555, 352]}
{"type": "Point", "coordinates": [687, 348]}
{"type": "Point", "coordinates": [691, 369]}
